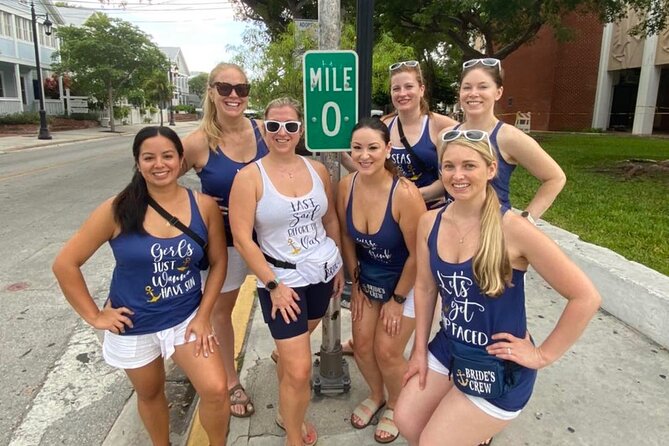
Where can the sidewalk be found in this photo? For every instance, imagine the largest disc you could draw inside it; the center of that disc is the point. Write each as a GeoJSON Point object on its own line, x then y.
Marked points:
{"type": "Point", "coordinates": [610, 389]}
{"type": "Point", "coordinates": [20, 142]}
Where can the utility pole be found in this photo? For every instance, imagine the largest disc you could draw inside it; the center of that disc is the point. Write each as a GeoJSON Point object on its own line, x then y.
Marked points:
{"type": "Point", "coordinates": [364, 45]}
{"type": "Point", "coordinates": [331, 370]}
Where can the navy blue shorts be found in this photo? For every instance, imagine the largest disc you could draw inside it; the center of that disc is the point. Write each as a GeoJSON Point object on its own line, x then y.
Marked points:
{"type": "Point", "coordinates": [313, 303]}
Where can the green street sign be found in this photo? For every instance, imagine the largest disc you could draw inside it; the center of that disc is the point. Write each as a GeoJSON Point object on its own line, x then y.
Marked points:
{"type": "Point", "coordinates": [330, 99]}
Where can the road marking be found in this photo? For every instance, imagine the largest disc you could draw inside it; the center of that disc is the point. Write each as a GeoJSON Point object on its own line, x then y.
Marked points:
{"type": "Point", "coordinates": [79, 379]}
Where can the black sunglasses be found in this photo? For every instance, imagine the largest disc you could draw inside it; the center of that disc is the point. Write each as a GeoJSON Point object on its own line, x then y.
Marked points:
{"type": "Point", "coordinates": [225, 89]}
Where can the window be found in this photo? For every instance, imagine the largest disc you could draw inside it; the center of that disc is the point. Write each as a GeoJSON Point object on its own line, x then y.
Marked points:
{"type": "Point", "coordinates": [23, 29]}
{"type": "Point", "coordinates": [2, 85]}
{"type": "Point", "coordinates": [45, 40]}
{"type": "Point", "coordinates": [5, 24]}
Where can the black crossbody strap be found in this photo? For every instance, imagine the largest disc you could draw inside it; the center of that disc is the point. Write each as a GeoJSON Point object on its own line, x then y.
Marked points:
{"type": "Point", "coordinates": [419, 162]}
{"type": "Point", "coordinates": [172, 220]}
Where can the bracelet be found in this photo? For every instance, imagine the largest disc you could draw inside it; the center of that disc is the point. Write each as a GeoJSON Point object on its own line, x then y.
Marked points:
{"type": "Point", "coordinates": [528, 216]}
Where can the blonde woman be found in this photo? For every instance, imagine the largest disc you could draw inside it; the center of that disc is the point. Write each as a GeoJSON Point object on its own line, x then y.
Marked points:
{"type": "Point", "coordinates": [226, 142]}
{"type": "Point", "coordinates": [478, 372]}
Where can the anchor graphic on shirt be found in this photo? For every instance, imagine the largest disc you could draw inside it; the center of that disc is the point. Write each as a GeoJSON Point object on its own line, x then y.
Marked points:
{"type": "Point", "coordinates": [296, 250]}
{"type": "Point", "coordinates": [184, 267]}
{"type": "Point", "coordinates": [462, 380]}
{"type": "Point", "coordinates": [149, 291]}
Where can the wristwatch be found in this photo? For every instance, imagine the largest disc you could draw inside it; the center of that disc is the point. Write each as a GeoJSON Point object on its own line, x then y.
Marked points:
{"type": "Point", "coordinates": [528, 216]}
{"type": "Point", "coordinates": [399, 298]}
{"type": "Point", "coordinates": [272, 284]}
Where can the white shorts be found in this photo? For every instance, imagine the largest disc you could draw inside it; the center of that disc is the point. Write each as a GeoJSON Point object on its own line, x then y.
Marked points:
{"type": "Point", "coordinates": [409, 309]}
{"type": "Point", "coordinates": [135, 351]}
{"type": "Point", "coordinates": [436, 366]}
{"type": "Point", "coordinates": [237, 271]}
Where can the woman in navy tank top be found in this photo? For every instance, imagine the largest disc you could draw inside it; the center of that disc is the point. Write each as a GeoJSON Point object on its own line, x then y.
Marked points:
{"type": "Point", "coordinates": [226, 142]}
{"type": "Point", "coordinates": [378, 242]}
{"type": "Point", "coordinates": [480, 88]}
{"type": "Point", "coordinates": [478, 372]}
{"type": "Point", "coordinates": [156, 308]}
{"type": "Point", "coordinates": [288, 200]}
{"type": "Point", "coordinates": [420, 127]}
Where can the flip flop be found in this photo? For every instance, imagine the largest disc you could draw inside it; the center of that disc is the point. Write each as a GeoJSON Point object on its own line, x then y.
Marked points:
{"type": "Point", "coordinates": [387, 425]}
{"type": "Point", "coordinates": [308, 431]}
{"type": "Point", "coordinates": [488, 442]}
{"type": "Point", "coordinates": [366, 416]}
{"type": "Point", "coordinates": [238, 396]}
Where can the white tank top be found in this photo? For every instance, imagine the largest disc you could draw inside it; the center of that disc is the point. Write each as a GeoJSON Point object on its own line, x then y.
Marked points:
{"type": "Point", "coordinates": [291, 228]}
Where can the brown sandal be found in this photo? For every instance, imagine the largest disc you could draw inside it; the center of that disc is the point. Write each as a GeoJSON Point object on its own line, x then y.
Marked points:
{"type": "Point", "coordinates": [238, 396]}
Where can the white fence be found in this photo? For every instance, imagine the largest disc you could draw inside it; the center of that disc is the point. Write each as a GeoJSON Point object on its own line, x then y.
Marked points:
{"type": "Point", "coordinates": [9, 106]}
{"type": "Point", "coordinates": [135, 117]}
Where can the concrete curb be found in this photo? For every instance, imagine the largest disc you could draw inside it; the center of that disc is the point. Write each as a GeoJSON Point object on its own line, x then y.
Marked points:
{"type": "Point", "coordinates": [633, 293]}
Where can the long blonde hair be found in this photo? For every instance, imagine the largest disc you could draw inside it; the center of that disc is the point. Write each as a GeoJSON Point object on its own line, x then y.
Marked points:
{"type": "Point", "coordinates": [210, 125]}
{"type": "Point", "coordinates": [491, 264]}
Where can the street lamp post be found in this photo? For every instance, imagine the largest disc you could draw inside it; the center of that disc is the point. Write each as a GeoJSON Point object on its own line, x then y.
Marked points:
{"type": "Point", "coordinates": [43, 129]}
{"type": "Point", "coordinates": [174, 70]}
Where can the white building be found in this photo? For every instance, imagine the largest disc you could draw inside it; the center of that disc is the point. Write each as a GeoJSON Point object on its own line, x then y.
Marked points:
{"type": "Point", "coordinates": [178, 74]}
{"type": "Point", "coordinates": [18, 76]}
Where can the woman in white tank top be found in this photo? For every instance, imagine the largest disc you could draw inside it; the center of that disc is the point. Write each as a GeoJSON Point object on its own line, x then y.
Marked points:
{"type": "Point", "coordinates": [288, 201]}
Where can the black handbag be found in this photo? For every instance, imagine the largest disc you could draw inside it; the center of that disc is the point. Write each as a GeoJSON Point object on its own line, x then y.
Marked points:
{"type": "Point", "coordinates": [203, 264]}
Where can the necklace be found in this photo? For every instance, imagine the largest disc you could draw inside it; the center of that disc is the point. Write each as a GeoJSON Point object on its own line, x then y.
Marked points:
{"type": "Point", "coordinates": [461, 237]}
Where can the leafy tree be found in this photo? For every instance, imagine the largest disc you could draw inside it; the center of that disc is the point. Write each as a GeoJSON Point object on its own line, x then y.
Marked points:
{"type": "Point", "coordinates": [107, 58]}
{"type": "Point", "coordinates": [159, 91]}
{"type": "Point", "coordinates": [198, 84]}
{"type": "Point", "coordinates": [499, 26]}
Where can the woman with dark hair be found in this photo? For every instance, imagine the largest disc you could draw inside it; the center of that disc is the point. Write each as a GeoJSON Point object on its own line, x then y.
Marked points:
{"type": "Point", "coordinates": [288, 200]}
{"type": "Point", "coordinates": [225, 143]}
{"type": "Point", "coordinates": [478, 372]}
{"type": "Point", "coordinates": [161, 236]}
{"type": "Point", "coordinates": [378, 241]}
{"type": "Point", "coordinates": [481, 86]}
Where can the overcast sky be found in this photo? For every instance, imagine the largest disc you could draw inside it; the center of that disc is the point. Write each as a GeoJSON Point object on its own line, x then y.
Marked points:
{"type": "Point", "coordinates": [201, 28]}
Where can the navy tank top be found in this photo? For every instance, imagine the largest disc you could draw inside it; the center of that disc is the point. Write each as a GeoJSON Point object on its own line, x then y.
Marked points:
{"type": "Point", "coordinates": [470, 317]}
{"type": "Point", "coordinates": [219, 172]}
{"type": "Point", "coordinates": [156, 277]}
{"type": "Point", "coordinates": [502, 181]}
{"type": "Point", "coordinates": [385, 247]}
{"type": "Point", "coordinates": [425, 150]}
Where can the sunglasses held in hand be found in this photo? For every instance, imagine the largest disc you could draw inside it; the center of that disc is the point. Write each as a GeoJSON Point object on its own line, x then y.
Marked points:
{"type": "Point", "coordinates": [225, 89]}
{"type": "Point", "coordinates": [288, 126]}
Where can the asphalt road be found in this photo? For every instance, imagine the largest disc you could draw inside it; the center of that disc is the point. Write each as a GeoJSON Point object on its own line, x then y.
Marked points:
{"type": "Point", "coordinates": [57, 389]}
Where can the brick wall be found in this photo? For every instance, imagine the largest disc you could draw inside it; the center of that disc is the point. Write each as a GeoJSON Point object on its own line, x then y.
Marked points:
{"type": "Point", "coordinates": [556, 81]}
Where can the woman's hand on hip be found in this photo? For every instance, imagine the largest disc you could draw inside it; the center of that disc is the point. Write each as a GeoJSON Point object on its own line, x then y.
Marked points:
{"type": "Point", "coordinates": [113, 319]}
{"type": "Point", "coordinates": [519, 350]}
{"type": "Point", "coordinates": [284, 300]}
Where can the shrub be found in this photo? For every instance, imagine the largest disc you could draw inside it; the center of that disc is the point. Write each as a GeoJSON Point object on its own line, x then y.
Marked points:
{"type": "Point", "coordinates": [83, 116]}
{"type": "Point", "coordinates": [185, 108]}
{"type": "Point", "coordinates": [153, 110]}
{"type": "Point", "coordinates": [20, 118]}
{"type": "Point", "coordinates": [121, 112]}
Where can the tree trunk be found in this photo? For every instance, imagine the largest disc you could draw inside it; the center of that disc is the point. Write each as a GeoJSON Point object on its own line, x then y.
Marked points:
{"type": "Point", "coordinates": [161, 114]}
{"type": "Point", "coordinates": [112, 127]}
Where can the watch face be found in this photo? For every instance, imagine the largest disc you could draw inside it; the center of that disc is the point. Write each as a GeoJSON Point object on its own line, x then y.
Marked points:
{"type": "Point", "coordinates": [272, 284]}
{"type": "Point", "coordinates": [399, 299]}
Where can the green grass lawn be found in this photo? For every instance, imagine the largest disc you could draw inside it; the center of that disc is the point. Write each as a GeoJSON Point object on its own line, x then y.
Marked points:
{"type": "Point", "coordinates": [599, 202]}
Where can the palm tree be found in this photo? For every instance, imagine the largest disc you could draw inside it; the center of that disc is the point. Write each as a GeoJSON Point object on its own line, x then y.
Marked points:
{"type": "Point", "coordinates": [159, 91]}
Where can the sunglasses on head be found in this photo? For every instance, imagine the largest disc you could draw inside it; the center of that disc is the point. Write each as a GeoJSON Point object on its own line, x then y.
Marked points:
{"type": "Point", "coordinates": [408, 63]}
{"type": "Point", "coordinates": [225, 89]}
{"type": "Point", "coordinates": [288, 126]}
{"type": "Point", "coordinates": [470, 135]}
{"type": "Point", "coordinates": [488, 62]}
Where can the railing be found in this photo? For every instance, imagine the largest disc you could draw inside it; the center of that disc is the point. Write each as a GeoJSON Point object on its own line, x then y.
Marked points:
{"type": "Point", "coordinates": [53, 107]}
{"type": "Point", "coordinates": [9, 106]}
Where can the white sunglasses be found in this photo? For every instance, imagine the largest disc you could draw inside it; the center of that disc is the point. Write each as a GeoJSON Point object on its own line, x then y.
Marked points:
{"type": "Point", "coordinates": [288, 126]}
{"type": "Point", "coordinates": [488, 62]}
{"type": "Point", "coordinates": [470, 135]}
{"type": "Point", "coordinates": [408, 63]}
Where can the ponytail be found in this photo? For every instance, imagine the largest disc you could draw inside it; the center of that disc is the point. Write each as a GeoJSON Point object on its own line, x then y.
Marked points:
{"type": "Point", "coordinates": [492, 267]}
{"type": "Point", "coordinates": [129, 206]}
